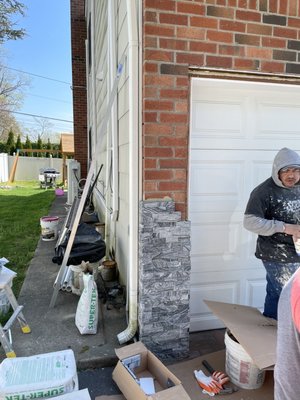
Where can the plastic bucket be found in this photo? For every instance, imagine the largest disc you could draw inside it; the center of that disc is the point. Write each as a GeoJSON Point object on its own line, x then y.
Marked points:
{"type": "Point", "coordinates": [49, 226]}
{"type": "Point", "coordinates": [239, 365]}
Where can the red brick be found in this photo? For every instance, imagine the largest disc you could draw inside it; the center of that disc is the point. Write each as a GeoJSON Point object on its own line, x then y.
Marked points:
{"type": "Point", "coordinates": [150, 91]}
{"type": "Point", "coordinates": [180, 175]}
{"type": "Point", "coordinates": [172, 141]}
{"type": "Point", "coordinates": [173, 186]}
{"type": "Point", "coordinates": [151, 16]}
{"type": "Point", "coordinates": [191, 33]}
{"type": "Point", "coordinates": [174, 19]}
{"type": "Point", "coordinates": [150, 140]}
{"type": "Point", "coordinates": [285, 32]}
{"type": "Point", "coordinates": [294, 22]}
{"type": "Point", "coordinates": [150, 67]}
{"type": "Point", "coordinates": [150, 116]}
{"type": "Point", "coordinates": [229, 50]}
{"type": "Point", "coordinates": [259, 29]}
{"type": "Point", "coordinates": [283, 7]}
{"type": "Point", "coordinates": [221, 37]}
{"type": "Point", "coordinates": [181, 130]}
{"type": "Point", "coordinates": [159, 175]}
{"type": "Point", "coordinates": [158, 129]}
{"type": "Point", "coordinates": [150, 163]}
{"type": "Point", "coordinates": [158, 55]}
{"type": "Point", "coordinates": [173, 118]}
{"type": "Point", "coordinates": [232, 26]}
{"type": "Point", "coordinates": [173, 93]}
{"type": "Point", "coordinates": [159, 105]}
{"type": "Point", "coordinates": [273, 42]}
{"type": "Point", "coordinates": [182, 81]}
{"type": "Point", "coordinates": [181, 152]}
{"type": "Point", "coordinates": [151, 41]}
{"type": "Point", "coordinates": [245, 64]}
{"type": "Point", "coordinates": [159, 80]}
{"type": "Point", "coordinates": [160, 4]}
{"type": "Point", "coordinates": [190, 58]}
{"type": "Point", "coordinates": [259, 53]}
{"type": "Point", "coordinates": [173, 44]}
{"type": "Point", "coordinates": [220, 12]}
{"type": "Point", "coordinates": [215, 61]}
{"type": "Point", "coordinates": [150, 186]}
{"type": "Point", "coordinates": [188, 8]}
{"type": "Point", "coordinates": [292, 8]}
{"type": "Point", "coordinates": [203, 47]}
{"type": "Point", "coordinates": [273, 67]}
{"type": "Point", "coordinates": [273, 6]}
{"type": "Point", "coordinates": [179, 197]}
{"type": "Point", "coordinates": [204, 22]}
{"type": "Point", "coordinates": [158, 30]}
{"type": "Point", "coordinates": [158, 152]}
{"type": "Point", "coordinates": [181, 106]}
{"type": "Point", "coordinates": [172, 163]}
{"type": "Point", "coordinates": [248, 15]}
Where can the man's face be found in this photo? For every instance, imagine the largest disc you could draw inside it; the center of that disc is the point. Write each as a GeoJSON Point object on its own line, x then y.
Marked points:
{"type": "Point", "coordinates": [289, 176]}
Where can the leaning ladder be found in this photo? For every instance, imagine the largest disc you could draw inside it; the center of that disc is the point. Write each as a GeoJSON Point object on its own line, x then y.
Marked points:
{"type": "Point", "coordinates": [6, 277]}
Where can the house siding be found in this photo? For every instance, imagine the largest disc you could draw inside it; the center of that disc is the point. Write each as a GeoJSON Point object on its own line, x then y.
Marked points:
{"type": "Point", "coordinates": [237, 35]}
{"type": "Point", "coordinates": [78, 37]}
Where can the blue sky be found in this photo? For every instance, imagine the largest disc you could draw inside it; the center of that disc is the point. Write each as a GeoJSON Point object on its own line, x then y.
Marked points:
{"type": "Point", "coordinates": [44, 51]}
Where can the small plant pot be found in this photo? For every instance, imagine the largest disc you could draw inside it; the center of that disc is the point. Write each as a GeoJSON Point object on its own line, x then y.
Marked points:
{"type": "Point", "coordinates": [108, 270]}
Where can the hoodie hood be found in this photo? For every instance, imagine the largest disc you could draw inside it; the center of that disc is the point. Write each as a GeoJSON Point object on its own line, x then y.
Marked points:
{"type": "Point", "coordinates": [284, 158]}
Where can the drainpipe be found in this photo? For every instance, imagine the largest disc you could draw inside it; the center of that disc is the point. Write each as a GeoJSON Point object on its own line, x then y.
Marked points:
{"type": "Point", "coordinates": [132, 270]}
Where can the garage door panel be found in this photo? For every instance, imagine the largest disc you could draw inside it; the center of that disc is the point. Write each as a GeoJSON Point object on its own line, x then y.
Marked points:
{"type": "Point", "coordinates": [231, 151]}
{"type": "Point", "coordinates": [277, 119]}
{"type": "Point", "coordinates": [230, 112]}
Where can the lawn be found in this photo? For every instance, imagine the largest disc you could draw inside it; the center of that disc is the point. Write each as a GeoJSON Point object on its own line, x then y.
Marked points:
{"type": "Point", "coordinates": [21, 207]}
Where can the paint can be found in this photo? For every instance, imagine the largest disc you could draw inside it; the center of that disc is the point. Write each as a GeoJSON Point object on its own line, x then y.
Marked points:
{"type": "Point", "coordinates": [240, 367]}
{"type": "Point", "coordinates": [49, 227]}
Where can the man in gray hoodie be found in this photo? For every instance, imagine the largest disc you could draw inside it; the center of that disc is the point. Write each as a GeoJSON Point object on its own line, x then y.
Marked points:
{"type": "Point", "coordinates": [273, 212]}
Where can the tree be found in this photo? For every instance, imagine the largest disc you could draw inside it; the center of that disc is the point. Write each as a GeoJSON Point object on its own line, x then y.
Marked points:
{"type": "Point", "coordinates": [19, 143]}
{"type": "Point", "coordinates": [8, 9]}
{"type": "Point", "coordinates": [10, 143]}
{"type": "Point", "coordinates": [39, 146]}
{"type": "Point", "coordinates": [48, 147]}
{"type": "Point", "coordinates": [28, 145]}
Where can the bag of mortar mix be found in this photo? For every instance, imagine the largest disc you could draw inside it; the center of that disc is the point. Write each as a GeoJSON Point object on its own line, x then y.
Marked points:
{"type": "Point", "coordinates": [39, 376]}
{"type": "Point", "coordinates": [86, 318]}
{"type": "Point", "coordinates": [79, 395]}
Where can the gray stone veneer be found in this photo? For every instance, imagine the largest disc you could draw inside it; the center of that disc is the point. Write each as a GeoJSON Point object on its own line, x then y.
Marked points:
{"type": "Point", "coordinates": [164, 279]}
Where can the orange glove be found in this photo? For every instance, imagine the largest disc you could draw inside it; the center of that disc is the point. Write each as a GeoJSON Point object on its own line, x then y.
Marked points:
{"type": "Point", "coordinates": [211, 384]}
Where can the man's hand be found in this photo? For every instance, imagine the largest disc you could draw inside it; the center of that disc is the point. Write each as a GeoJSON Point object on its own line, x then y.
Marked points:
{"type": "Point", "coordinates": [293, 230]}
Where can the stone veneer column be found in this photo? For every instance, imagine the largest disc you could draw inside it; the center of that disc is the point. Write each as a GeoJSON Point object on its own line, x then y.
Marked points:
{"type": "Point", "coordinates": [164, 279]}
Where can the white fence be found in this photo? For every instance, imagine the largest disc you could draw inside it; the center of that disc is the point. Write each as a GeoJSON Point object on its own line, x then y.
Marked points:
{"type": "Point", "coordinates": [27, 167]}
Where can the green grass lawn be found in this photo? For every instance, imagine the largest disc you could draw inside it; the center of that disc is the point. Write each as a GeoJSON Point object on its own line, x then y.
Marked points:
{"type": "Point", "coordinates": [21, 207]}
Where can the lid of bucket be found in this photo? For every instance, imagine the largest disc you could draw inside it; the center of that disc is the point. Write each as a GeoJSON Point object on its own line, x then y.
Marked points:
{"type": "Point", "coordinates": [49, 219]}
{"type": "Point", "coordinates": [256, 333]}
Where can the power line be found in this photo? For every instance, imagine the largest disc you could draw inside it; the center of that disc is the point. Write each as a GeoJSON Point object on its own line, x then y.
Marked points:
{"type": "Point", "coordinates": [39, 116]}
{"type": "Point", "coordinates": [39, 76]}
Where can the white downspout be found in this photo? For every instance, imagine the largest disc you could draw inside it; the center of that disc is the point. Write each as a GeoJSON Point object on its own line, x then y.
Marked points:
{"type": "Point", "coordinates": [133, 73]}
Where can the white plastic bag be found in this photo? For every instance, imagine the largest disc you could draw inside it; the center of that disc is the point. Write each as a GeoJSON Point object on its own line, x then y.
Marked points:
{"type": "Point", "coordinates": [86, 318]}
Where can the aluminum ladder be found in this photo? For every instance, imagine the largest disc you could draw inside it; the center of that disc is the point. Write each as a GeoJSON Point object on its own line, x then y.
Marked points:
{"type": "Point", "coordinates": [6, 277]}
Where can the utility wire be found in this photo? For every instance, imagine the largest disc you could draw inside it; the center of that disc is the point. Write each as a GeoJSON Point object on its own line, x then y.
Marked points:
{"type": "Point", "coordinates": [39, 76]}
{"type": "Point", "coordinates": [40, 116]}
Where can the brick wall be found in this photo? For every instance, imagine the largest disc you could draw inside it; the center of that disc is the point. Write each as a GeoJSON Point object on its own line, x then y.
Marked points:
{"type": "Point", "coordinates": [241, 35]}
{"type": "Point", "coordinates": [78, 36]}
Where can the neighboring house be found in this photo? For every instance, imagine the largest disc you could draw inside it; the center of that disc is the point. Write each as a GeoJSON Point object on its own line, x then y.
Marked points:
{"type": "Point", "coordinates": [209, 92]}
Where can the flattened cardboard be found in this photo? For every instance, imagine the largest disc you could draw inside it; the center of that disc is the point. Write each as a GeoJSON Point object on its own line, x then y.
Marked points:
{"type": "Point", "coordinates": [150, 366]}
{"type": "Point", "coordinates": [185, 372]}
{"type": "Point", "coordinates": [256, 333]}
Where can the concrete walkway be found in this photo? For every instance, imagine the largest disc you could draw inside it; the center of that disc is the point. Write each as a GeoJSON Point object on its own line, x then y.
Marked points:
{"type": "Point", "coordinates": [54, 329]}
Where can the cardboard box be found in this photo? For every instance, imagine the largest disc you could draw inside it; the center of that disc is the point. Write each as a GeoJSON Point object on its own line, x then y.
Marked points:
{"type": "Point", "coordinates": [136, 362]}
{"type": "Point", "coordinates": [256, 333]}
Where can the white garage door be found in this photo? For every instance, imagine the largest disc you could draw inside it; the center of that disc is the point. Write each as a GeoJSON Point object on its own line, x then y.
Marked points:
{"type": "Point", "coordinates": [236, 130]}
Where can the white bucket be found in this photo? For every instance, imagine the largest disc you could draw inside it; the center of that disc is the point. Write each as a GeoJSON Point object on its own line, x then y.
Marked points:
{"type": "Point", "coordinates": [49, 227]}
{"type": "Point", "coordinates": [239, 366]}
